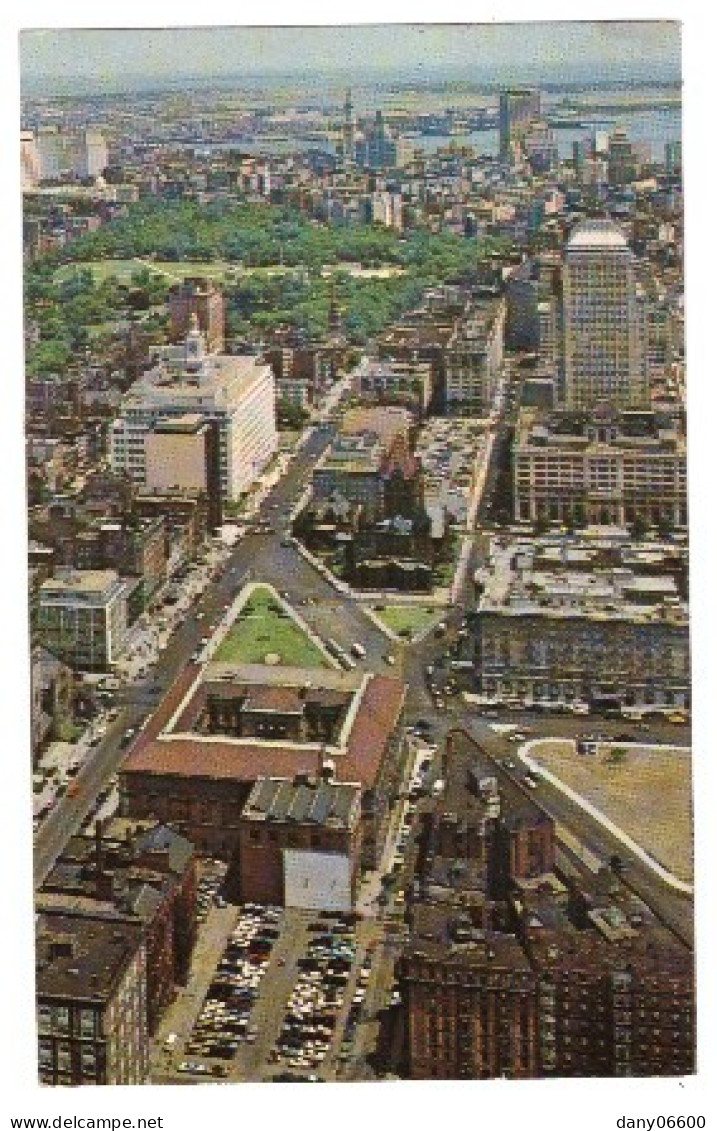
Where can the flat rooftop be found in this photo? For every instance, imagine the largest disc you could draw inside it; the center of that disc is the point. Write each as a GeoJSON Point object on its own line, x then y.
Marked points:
{"type": "Point", "coordinates": [574, 577]}
{"type": "Point", "coordinates": [85, 582]}
{"type": "Point", "coordinates": [82, 958]}
{"type": "Point", "coordinates": [221, 379]}
{"type": "Point", "coordinates": [444, 933]}
{"type": "Point", "coordinates": [569, 431]}
{"type": "Point", "coordinates": [596, 235]}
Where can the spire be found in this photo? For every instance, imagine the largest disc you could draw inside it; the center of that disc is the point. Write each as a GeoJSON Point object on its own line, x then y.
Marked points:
{"type": "Point", "coordinates": [194, 345]}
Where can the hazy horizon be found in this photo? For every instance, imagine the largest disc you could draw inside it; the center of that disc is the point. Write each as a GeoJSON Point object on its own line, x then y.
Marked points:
{"type": "Point", "coordinates": [78, 61]}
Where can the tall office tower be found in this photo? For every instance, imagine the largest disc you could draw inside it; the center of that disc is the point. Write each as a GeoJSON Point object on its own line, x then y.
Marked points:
{"type": "Point", "coordinates": [518, 109]}
{"type": "Point", "coordinates": [603, 322]}
{"type": "Point", "coordinates": [622, 161]}
{"type": "Point", "coordinates": [70, 153]}
{"type": "Point", "coordinates": [94, 153]}
{"type": "Point", "coordinates": [378, 148]}
{"type": "Point", "coordinates": [673, 158]}
{"type": "Point", "coordinates": [349, 131]}
{"type": "Point", "coordinates": [29, 162]}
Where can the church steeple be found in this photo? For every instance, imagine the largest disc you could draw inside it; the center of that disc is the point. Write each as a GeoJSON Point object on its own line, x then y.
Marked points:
{"type": "Point", "coordinates": [194, 346]}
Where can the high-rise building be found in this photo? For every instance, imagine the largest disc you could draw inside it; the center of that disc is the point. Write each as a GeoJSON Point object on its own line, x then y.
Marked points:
{"type": "Point", "coordinates": [349, 131]}
{"type": "Point", "coordinates": [518, 109]}
{"type": "Point", "coordinates": [622, 160]}
{"type": "Point", "coordinates": [603, 333]}
{"type": "Point", "coordinates": [378, 147]}
{"type": "Point", "coordinates": [236, 392]}
{"type": "Point", "coordinates": [182, 453]}
{"type": "Point", "coordinates": [62, 153]}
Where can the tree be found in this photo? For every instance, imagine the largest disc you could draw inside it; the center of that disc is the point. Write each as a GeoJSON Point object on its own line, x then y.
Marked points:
{"type": "Point", "coordinates": [617, 755]}
{"type": "Point", "coordinates": [639, 527]}
{"type": "Point", "coordinates": [290, 416]}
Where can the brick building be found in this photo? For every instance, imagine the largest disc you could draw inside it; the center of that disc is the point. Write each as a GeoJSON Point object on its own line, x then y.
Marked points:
{"type": "Point", "coordinates": [519, 963]}
{"type": "Point", "coordinates": [300, 843]}
{"type": "Point", "coordinates": [91, 1000]}
{"type": "Point", "coordinates": [217, 732]}
{"type": "Point", "coordinates": [203, 299]}
{"type": "Point", "coordinates": [133, 872]}
{"type": "Point", "coordinates": [135, 547]}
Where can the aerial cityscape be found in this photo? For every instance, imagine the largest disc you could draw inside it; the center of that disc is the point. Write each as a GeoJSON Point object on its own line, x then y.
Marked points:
{"type": "Point", "coordinates": [358, 562]}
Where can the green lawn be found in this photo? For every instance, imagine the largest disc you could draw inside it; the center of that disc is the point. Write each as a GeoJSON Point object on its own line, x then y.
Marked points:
{"type": "Point", "coordinates": [259, 631]}
{"type": "Point", "coordinates": [413, 619]}
{"type": "Point", "coordinates": [123, 269]}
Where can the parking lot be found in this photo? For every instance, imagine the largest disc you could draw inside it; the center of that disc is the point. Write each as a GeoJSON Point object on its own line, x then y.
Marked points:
{"type": "Point", "coordinates": [273, 993]}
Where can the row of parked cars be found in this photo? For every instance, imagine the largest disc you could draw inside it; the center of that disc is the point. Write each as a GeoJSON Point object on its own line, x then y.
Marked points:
{"type": "Point", "coordinates": [318, 995]}
{"type": "Point", "coordinates": [209, 885]}
{"type": "Point", "coordinates": [358, 1004]}
{"type": "Point", "coordinates": [224, 1021]}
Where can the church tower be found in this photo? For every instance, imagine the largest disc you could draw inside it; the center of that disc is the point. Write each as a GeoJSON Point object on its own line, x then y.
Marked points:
{"type": "Point", "coordinates": [194, 347]}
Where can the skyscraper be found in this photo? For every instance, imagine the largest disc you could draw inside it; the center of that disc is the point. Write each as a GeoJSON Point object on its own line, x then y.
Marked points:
{"type": "Point", "coordinates": [518, 109]}
{"type": "Point", "coordinates": [604, 354]}
{"type": "Point", "coordinates": [349, 131]}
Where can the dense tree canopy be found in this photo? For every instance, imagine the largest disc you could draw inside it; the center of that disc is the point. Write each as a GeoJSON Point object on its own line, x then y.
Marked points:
{"type": "Point", "coordinates": [75, 310]}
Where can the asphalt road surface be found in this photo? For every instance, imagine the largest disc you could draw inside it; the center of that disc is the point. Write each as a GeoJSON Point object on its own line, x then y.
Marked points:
{"type": "Point", "coordinates": [263, 557]}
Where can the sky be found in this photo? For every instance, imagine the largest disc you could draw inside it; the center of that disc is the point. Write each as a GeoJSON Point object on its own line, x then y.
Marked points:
{"type": "Point", "coordinates": [63, 59]}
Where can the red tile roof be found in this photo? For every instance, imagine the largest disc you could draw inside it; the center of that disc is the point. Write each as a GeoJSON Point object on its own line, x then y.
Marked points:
{"type": "Point", "coordinates": [376, 718]}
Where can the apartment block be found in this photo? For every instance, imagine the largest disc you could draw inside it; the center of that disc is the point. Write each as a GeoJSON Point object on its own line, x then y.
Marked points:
{"type": "Point", "coordinates": [91, 1001]}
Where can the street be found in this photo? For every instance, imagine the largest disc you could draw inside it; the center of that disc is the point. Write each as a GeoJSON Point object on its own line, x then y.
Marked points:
{"type": "Point", "coordinates": [330, 612]}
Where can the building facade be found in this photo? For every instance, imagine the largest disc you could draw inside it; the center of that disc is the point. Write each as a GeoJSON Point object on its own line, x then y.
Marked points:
{"type": "Point", "coordinates": [91, 1001]}
{"type": "Point", "coordinates": [236, 392]}
{"type": "Point", "coordinates": [82, 617]}
{"type": "Point", "coordinates": [300, 843]}
{"type": "Point", "coordinates": [474, 359]}
{"type": "Point", "coordinates": [517, 110]}
{"type": "Point", "coordinates": [200, 298]}
{"type": "Point", "coordinates": [580, 623]}
{"type": "Point", "coordinates": [604, 353]}
{"type": "Point", "coordinates": [544, 970]}
{"type": "Point", "coordinates": [605, 469]}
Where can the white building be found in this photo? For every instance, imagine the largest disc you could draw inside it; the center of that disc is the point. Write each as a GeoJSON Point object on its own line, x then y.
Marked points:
{"type": "Point", "coordinates": [238, 392]}
{"type": "Point", "coordinates": [474, 360]}
{"type": "Point", "coordinates": [60, 153]}
{"type": "Point", "coordinates": [603, 320]}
